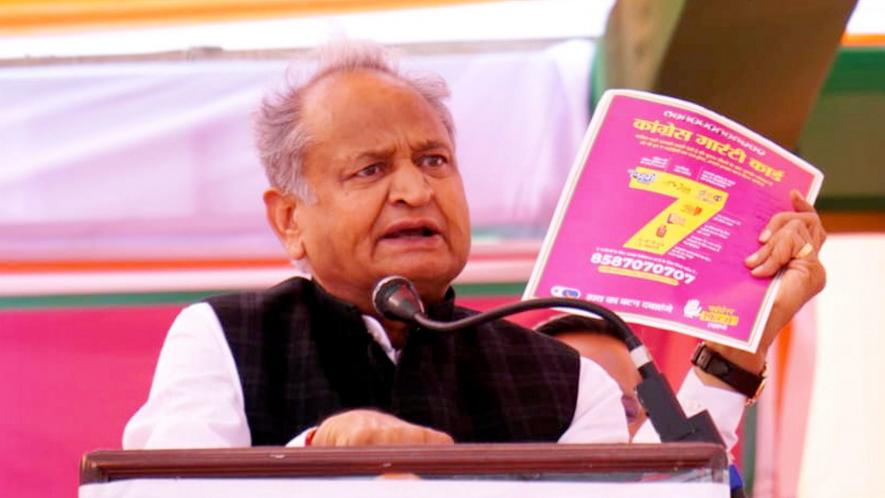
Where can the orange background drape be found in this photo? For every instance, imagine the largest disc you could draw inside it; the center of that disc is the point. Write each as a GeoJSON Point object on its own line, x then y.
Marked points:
{"type": "Point", "coordinates": [18, 16]}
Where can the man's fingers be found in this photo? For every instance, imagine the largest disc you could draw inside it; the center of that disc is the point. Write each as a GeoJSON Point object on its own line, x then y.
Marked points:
{"type": "Point", "coordinates": [813, 222]}
{"type": "Point", "coordinates": [788, 235]}
{"type": "Point", "coordinates": [778, 221]}
{"type": "Point", "coordinates": [760, 255]}
{"type": "Point", "coordinates": [403, 434]}
{"type": "Point", "coordinates": [436, 437]}
{"type": "Point", "coordinates": [369, 427]}
{"type": "Point", "coordinates": [806, 250]}
{"type": "Point", "coordinates": [793, 240]}
{"type": "Point", "coordinates": [799, 203]}
{"type": "Point", "coordinates": [805, 213]}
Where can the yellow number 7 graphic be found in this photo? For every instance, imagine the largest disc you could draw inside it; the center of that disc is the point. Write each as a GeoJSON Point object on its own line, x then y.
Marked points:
{"type": "Point", "coordinates": [695, 204]}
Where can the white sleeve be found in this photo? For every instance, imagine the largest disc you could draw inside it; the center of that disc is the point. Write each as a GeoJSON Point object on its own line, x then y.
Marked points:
{"type": "Point", "coordinates": [195, 400]}
{"type": "Point", "coordinates": [300, 441]}
{"type": "Point", "coordinates": [599, 414]}
{"type": "Point", "coordinates": [726, 407]}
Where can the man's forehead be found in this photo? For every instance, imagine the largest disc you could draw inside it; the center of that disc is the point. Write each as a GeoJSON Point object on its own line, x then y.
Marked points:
{"type": "Point", "coordinates": [353, 108]}
{"type": "Point", "coordinates": [358, 76]}
{"type": "Point", "coordinates": [351, 88]}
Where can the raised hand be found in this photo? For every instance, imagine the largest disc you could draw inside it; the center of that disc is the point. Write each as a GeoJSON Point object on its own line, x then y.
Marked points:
{"type": "Point", "coordinates": [791, 241]}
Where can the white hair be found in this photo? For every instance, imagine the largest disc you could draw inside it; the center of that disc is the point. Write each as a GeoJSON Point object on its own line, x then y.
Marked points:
{"type": "Point", "coordinates": [281, 135]}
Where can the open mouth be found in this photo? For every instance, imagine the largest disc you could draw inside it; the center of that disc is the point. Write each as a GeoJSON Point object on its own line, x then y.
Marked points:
{"type": "Point", "coordinates": [411, 230]}
{"type": "Point", "coordinates": [410, 233]}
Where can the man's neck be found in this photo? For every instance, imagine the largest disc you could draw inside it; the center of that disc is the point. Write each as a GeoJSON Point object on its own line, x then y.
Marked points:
{"type": "Point", "coordinates": [396, 331]}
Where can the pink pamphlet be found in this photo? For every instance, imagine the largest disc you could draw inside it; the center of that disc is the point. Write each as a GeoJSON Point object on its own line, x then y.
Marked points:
{"type": "Point", "coordinates": [663, 204]}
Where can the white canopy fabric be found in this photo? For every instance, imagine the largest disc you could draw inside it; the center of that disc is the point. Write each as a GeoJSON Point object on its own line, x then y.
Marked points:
{"type": "Point", "coordinates": [155, 159]}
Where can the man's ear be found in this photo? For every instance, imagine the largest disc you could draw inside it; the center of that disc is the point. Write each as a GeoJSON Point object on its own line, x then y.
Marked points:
{"type": "Point", "coordinates": [281, 209]}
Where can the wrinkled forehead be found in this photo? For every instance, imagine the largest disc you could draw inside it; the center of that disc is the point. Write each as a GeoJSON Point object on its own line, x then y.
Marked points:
{"type": "Point", "coordinates": [356, 109]}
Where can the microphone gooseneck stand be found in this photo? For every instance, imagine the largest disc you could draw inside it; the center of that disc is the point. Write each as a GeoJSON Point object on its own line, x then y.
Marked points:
{"type": "Point", "coordinates": [396, 298]}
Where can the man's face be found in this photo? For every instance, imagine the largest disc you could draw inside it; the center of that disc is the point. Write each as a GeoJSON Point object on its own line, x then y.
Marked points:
{"type": "Point", "coordinates": [612, 355]}
{"type": "Point", "coordinates": [388, 194]}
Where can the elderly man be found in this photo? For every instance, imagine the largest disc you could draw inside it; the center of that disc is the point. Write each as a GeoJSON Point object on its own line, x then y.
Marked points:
{"type": "Point", "coordinates": [365, 184]}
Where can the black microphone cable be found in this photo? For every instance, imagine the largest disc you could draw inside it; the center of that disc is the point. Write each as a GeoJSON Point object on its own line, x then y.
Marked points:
{"type": "Point", "coordinates": [396, 298]}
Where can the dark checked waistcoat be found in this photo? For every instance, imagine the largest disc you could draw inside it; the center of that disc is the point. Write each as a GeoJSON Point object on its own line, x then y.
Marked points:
{"type": "Point", "coordinates": [303, 355]}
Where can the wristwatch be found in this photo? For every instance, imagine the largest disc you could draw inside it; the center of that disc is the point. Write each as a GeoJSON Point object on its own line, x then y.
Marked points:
{"type": "Point", "coordinates": [742, 381]}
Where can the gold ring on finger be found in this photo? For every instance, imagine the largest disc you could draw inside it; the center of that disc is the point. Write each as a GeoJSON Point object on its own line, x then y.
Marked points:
{"type": "Point", "coordinates": [805, 250]}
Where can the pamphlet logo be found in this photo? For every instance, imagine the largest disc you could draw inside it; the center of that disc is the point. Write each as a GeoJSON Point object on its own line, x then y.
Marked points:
{"type": "Point", "coordinates": [692, 309]}
{"type": "Point", "coordinates": [560, 291]}
{"type": "Point", "coordinates": [643, 178]}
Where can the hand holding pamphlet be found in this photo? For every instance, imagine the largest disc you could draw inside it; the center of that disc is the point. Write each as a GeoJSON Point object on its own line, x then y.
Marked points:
{"type": "Point", "coordinates": [663, 204]}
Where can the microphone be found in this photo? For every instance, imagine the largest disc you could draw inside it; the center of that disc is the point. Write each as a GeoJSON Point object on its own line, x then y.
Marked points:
{"type": "Point", "coordinates": [395, 298]}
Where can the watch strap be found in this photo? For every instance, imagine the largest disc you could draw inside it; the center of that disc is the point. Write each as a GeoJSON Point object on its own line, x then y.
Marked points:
{"type": "Point", "coordinates": [743, 381]}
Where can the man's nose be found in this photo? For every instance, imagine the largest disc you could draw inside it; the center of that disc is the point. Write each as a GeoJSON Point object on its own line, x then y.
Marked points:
{"type": "Point", "coordinates": [409, 185]}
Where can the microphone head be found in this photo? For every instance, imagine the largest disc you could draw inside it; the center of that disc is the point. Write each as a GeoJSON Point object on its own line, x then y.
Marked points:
{"type": "Point", "coordinates": [395, 298]}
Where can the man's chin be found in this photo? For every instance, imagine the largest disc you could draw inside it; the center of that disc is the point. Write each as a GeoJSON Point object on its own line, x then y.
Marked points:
{"type": "Point", "coordinates": [431, 278]}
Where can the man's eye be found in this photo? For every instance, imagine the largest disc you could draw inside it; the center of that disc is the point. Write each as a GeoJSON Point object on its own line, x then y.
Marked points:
{"type": "Point", "coordinates": [434, 160]}
{"type": "Point", "coordinates": [369, 171]}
